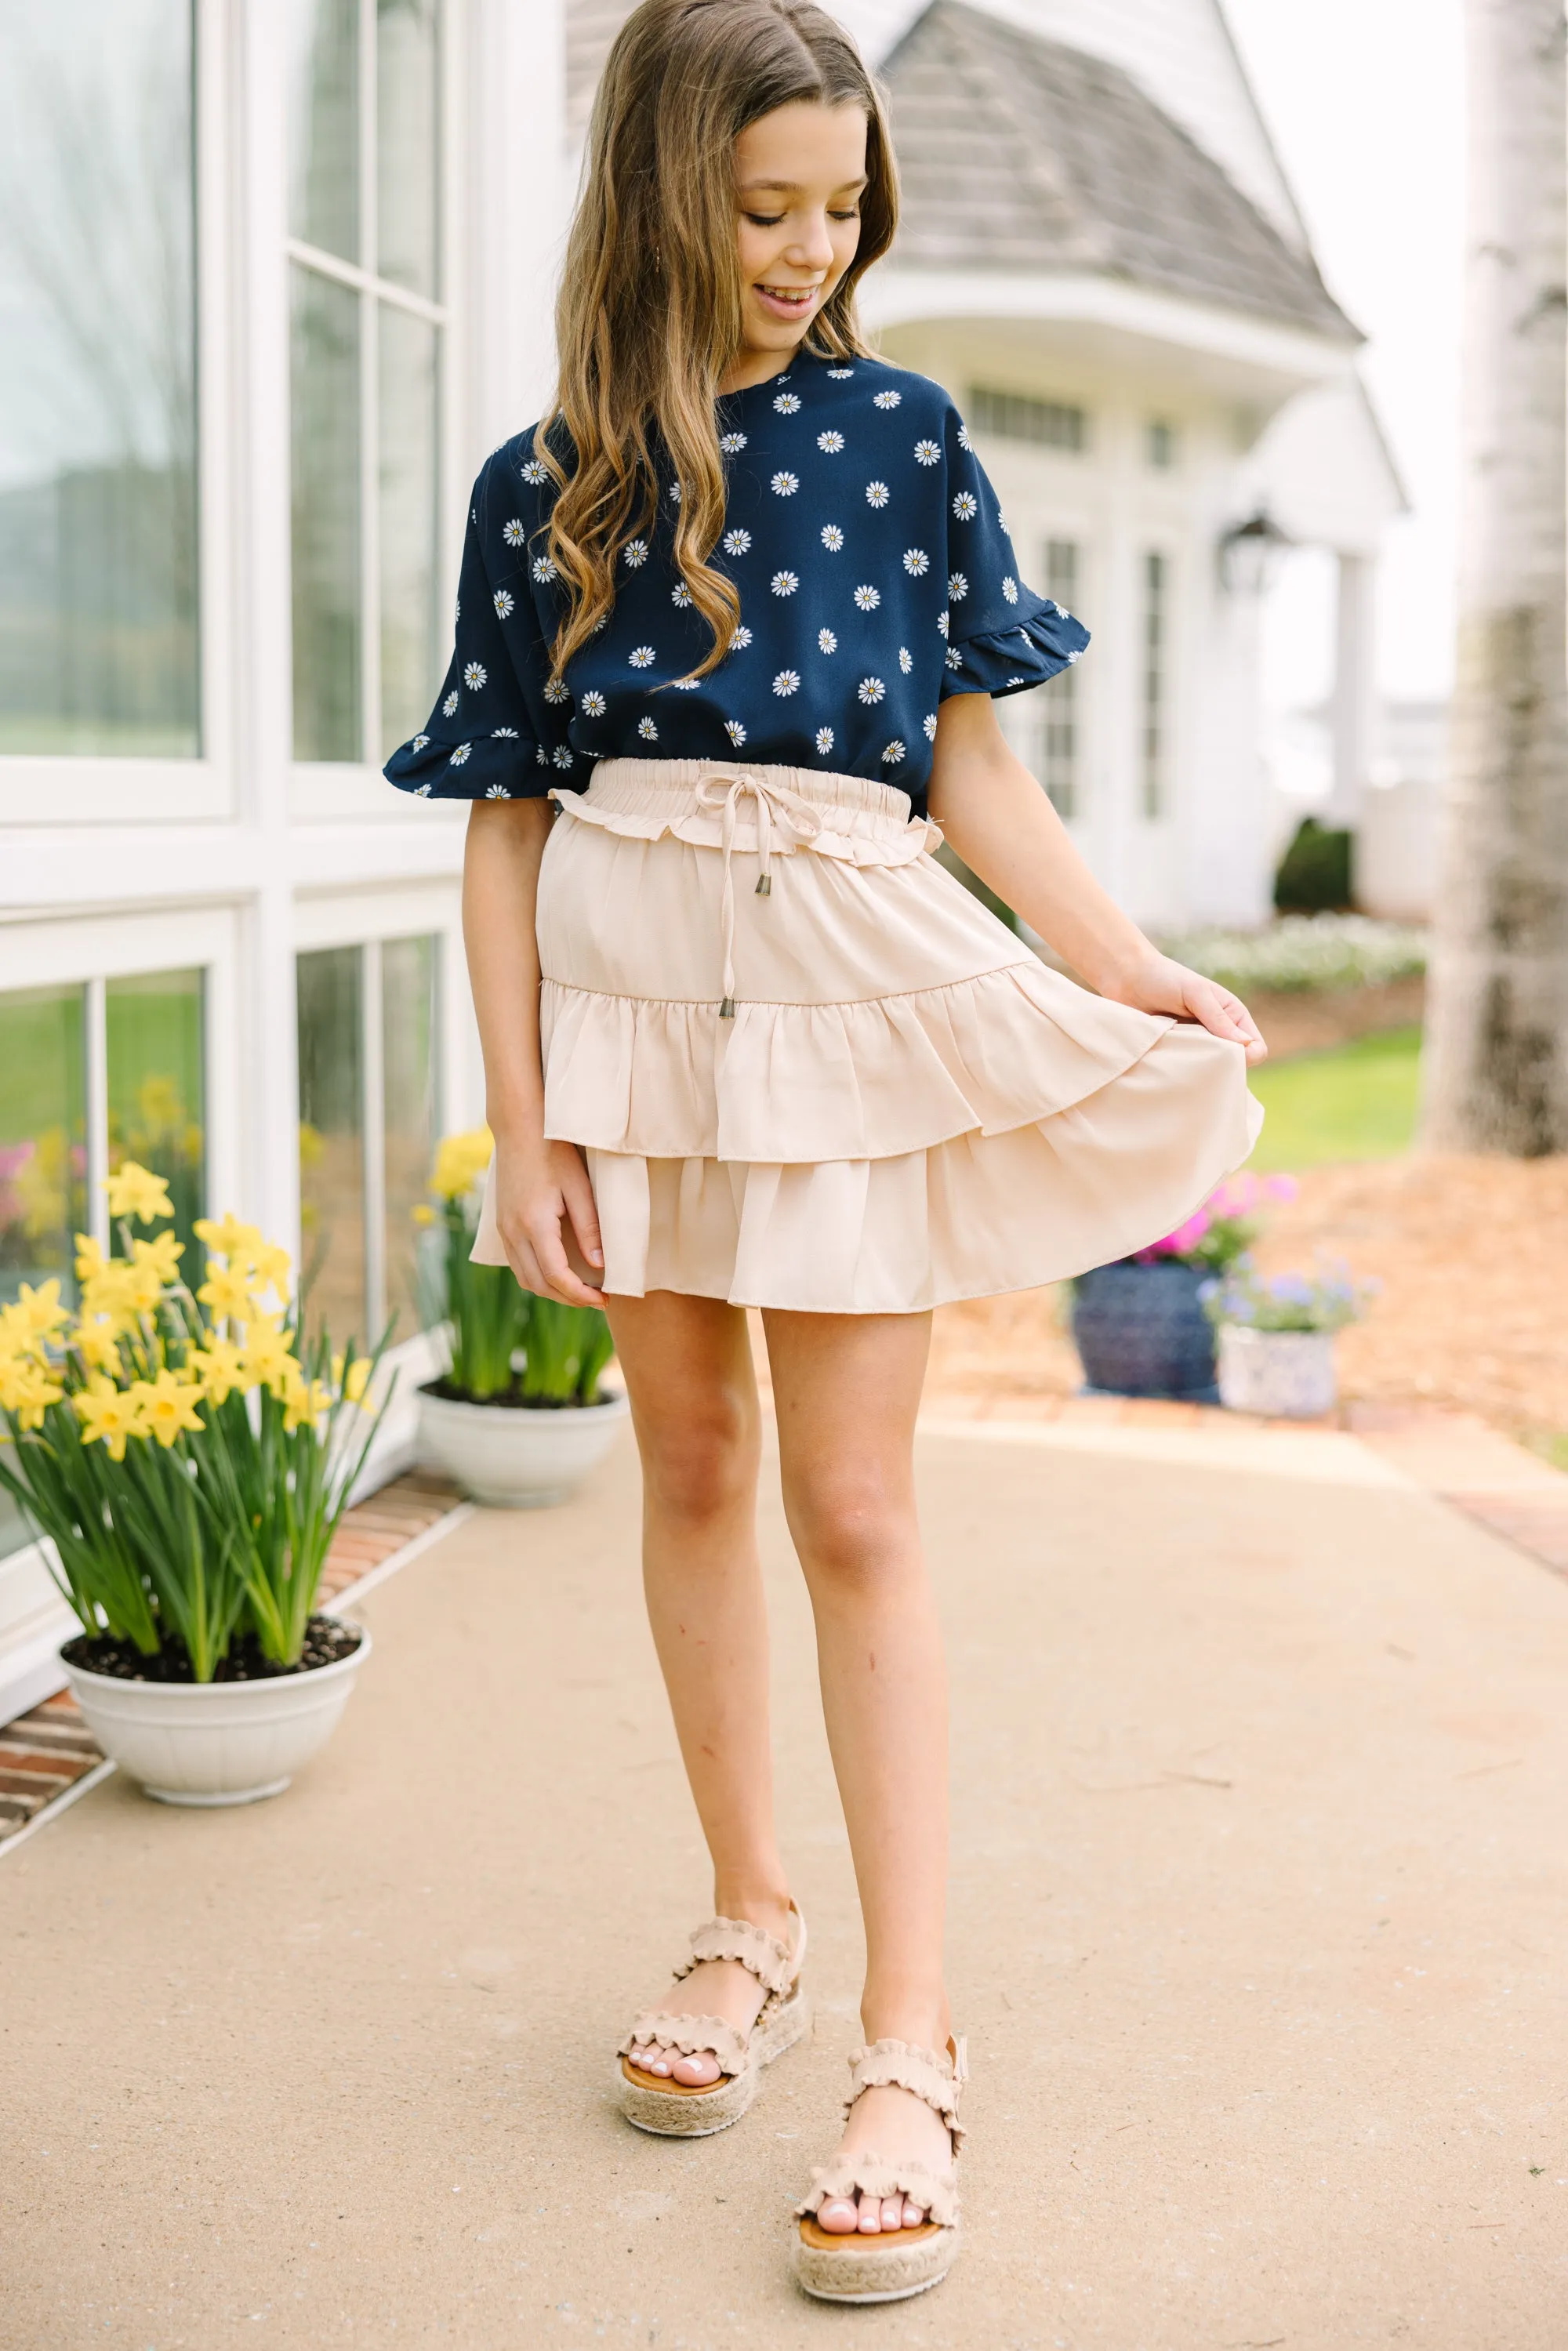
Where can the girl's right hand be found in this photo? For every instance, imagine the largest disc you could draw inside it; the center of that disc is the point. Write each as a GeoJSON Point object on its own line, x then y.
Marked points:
{"type": "Point", "coordinates": [545, 1214]}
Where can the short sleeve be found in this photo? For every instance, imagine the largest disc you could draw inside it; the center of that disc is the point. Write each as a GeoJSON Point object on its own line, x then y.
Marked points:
{"type": "Point", "coordinates": [1002, 637]}
{"type": "Point", "coordinates": [490, 734]}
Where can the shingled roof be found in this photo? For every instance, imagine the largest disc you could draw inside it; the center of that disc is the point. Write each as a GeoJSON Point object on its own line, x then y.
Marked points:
{"type": "Point", "coordinates": [1019, 154]}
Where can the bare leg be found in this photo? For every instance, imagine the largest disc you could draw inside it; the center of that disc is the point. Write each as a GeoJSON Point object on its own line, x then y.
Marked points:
{"type": "Point", "coordinates": [687, 1364]}
{"type": "Point", "coordinates": [846, 1389]}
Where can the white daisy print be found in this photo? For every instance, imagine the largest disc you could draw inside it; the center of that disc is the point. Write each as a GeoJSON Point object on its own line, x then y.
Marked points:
{"type": "Point", "coordinates": [503, 733]}
{"type": "Point", "coordinates": [905, 660]}
{"type": "Point", "coordinates": [449, 708]}
{"type": "Point", "coordinates": [561, 755]}
{"type": "Point", "coordinates": [966, 505]}
{"type": "Point", "coordinates": [422, 791]}
{"type": "Point", "coordinates": [943, 620]}
{"type": "Point", "coordinates": [929, 724]}
{"type": "Point", "coordinates": [1015, 681]}
{"type": "Point", "coordinates": [786, 405]}
{"type": "Point", "coordinates": [831, 442]}
{"type": "Point", "coordinates": [929, 453]}
{"type": "Point", "coordinates": [825, 734]}
{"type": "Point", "coordinates": [457, 607]}
{"type": "Point", "coordinates": [958, 587]}
{"type": "Point", "coordinates": [871, 689]}
{"type": "Point", "coordinates": [640, 656]}
{"type": "Point", "coordinates": [558, 690]}
{"type": "Point", "coordinates": [513, 532]}
{"type": "Point", "coordinates": [1010, 591]}
{"type": "Point", "coordinates": [887, 399]}
{"type": "Point", "coordinates": [505, 607]}
{"type": "Point", "coordinates": [784, 583]}
{"type": "Point", "coordinates": [497, 792]}
{"type": "Point", "coordinates": [647, 731]}
{"type": "Point", "coordinates": [732, 442]}
{"type": "Point", "coordinates": [474, 675]}
{"type": "Point", "coordinates": [737, 542]}
{"type": "Point", "coordinates": [784, 484]}
{"type": "Point", "coordinates": [876, 494]}
{"type": "Point", "coordinates": [963, 440]}
{"type": "Point", "coordinates": [893, 753]}
{"type": "Point", "coordinates": [543, 568]}
{"type": "Point", "coordinates": [735, 731]}
{"type": "Point", "coordinates": [681, 594]}
{"type": "Point", "coordinates": [833, 538]}
{"type": "Point", "coordinates": [740, 640]}
{"type": "Point", "coordinates": [685, 685]}
{"type": "Point", "coordinates": [787, 681]}
{"type": "Point", "coordinates": [418, 742]}
{"type": "Point", "coordinates": [868, 599]}
{"type": "Point", "coordinates": [917, 562]}
{"type": "Point", "coordinates": [954, 658]}
{"type": "Point", "coordinates": [826, 641]}
{"type": "Point", "coordinates": [542, 755]}
{"type": "Point", "coordinates": [634, 554]}
{"type": "Point", "coordinates": [594, 703]}
{"type": "Point", "coordinates": [459, 759]}
{"type": "Point", "coordinates": [1077, 655]}
{"type": "Point", "coordinates": [536, 471]}
{"type": "Point", "coordinates": [674, 494]}
{"type": "Point", "coordinates": [840, 374]}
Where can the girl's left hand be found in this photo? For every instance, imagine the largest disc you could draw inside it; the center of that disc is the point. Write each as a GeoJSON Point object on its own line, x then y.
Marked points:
{"type": "Point", "coordinates": [1159, 985]}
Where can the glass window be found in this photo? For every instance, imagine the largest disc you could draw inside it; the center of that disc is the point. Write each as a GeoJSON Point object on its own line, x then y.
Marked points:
{"type": "Point", "coordinates": [332, 1140]}
{"type": "Point", "coordinates": [154, 1053]}
{"type": "Point", "coordinates": [324, 125]}
{"type": "Point", "coordinates": [326, 520]}
{"type": "Point", "coordinates": [409, 475]}
{"type": "Point", "coordinates": [98, 382]}
{"type": "Point", "coordinates": [1059, 763]}
{"type": "Point", "coordinates": [1156, 720]}
{"type": "Point", "coordinates": [408, 119]}
{"type": "Point", "coordinates": [1049, 423]}
{"type": "Point", "coordinates": [43, 1154]}
{"type": "Point", "coordinates": [1160, 445]}
{"type": "Point", "coordinates": [409, 1061]}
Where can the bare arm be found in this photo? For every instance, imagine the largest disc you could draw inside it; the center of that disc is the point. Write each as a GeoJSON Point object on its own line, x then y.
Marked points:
{"type": "Point", "coordinates": [542, 1189]}
{"type": "Point", "coordinates": [1004, 828]}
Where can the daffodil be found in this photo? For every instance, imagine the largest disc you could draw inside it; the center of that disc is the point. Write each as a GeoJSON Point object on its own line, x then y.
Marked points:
{"type": "Point", "coordinates": [97, 1341]}
{"type": "Point", "coordinates": [108, 1415]}
{"type": "Point", "coordinates": [221, 1368]}
{"type": "Point", "coordinates": [353, 1387]}
{"type": "Point", "coordinates": [229, 1238]}
{"type": "Point", "coordinates": [90, 1258]}
{"type": "Point", "coordinates": [460, 1161]}
{"type": "Point", "coordinates": [226, 1292]}
{"type": "Point", "coordinates": [135, 1191]}
{"type": "Point", "coordinates": [41, 1308]}
{"type": "Point", "coordinates": [303, 1400]}
{"type": "Point", "coordinates": [163, 1255]}
{"type": "Point", "coordinates": [422, 1213]}
{"type": "Point", "coordinates": [107, 1291]}
{"type": "Point", "coordinates": [268, 1352]}
{"type": "Point", "coordinates": [26, 1388]}
{"type": "Point", "coordinates": [17, 1336]}
{"type": "Point", "coordinates": [270, 1265]}
{"type": "Point", "coordinates": [142, 1286]}
{"type": "Point", "coordinates": [164, 1407]}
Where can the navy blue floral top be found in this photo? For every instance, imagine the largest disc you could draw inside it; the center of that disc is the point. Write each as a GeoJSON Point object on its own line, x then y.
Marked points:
{"type": "Point", "coordinates": [875, 576]}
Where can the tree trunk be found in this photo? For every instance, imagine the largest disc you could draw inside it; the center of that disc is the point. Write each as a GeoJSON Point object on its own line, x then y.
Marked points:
{"type": "Point", "coordinates": [1497, 1048]}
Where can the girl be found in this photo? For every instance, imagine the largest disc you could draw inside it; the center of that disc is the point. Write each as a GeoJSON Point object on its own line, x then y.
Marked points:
{"type": "Point", "coordinates": [738, 607]}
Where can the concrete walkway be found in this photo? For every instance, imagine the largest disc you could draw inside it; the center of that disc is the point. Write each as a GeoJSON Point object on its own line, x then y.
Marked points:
{"type": "Point", "coordinates": [1258, 1937]}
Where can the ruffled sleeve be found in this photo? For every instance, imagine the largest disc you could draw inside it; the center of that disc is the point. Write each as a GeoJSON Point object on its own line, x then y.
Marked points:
{"type": "Point", "coordinates": [493, 733]}
{"type": "Point", "coordinates": [1002, 637]}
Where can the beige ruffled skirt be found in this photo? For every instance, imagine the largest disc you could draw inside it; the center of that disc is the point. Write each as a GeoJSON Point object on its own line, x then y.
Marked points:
{"type": "Point", "coordinates": [808, 1070]}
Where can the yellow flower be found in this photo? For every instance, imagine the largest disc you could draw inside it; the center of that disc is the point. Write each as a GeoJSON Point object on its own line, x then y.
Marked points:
{"type": "Point", "coordinates": [26, 1387]}
{"type": "Point", "coordinates": [164, 1407]}
{"type": "Point", "coordinates": [108, 1415]}
{"type": "Point", "coordinates": [226, 1292]}
{"type": "Point", "coordinates": [221, 1369]}
{"type": "Point", "coordinates": [19, 1339]}
{"type": "Point", "coordinates": [135, 1191]}
{"type": "Point", "coordinates": [97, 1341]}
{"type": "Point", "coordinates": [303, 1400]}
{"type": "Point", "coordinates": [142, 1286]}
{"type": "Point", "coordinates": [90, 1258]}
{"type": "Point", "coordinates": [163, 1255]}
{"type": "Point", "coordinates": [270, 1264]}
{"type": "Point", "coordinates": [353, 1387]}
{"type": "Point", "coordinates": [268, 1352]}
{"type": "Point", "coordinates": [229, 1238]}
{"type": "Point", "coordinates": [422, 1213]}
{"type": "Point", "coordinates": [41, 1309]}
{"type": "Point", "coordinates": [460, 1161]}
{"type": "Point", "coordinates": [107, 1291]}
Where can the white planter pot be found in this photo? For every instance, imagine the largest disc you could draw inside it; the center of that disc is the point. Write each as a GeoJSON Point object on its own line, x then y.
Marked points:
{"type": "Point", "coordinates": [215, 1742]}
{"type": "Point", "coordinates": [1283, 1374]}
{"type": "Point", "coordinates": [513, 1458]}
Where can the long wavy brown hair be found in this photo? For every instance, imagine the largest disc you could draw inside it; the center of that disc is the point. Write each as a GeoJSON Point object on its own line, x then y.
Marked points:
{"type": "Point", "coordinates": [649, 315]}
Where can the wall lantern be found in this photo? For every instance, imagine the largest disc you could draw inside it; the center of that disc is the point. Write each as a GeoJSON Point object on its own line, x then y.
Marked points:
{"type": "Point", "coordinates": [1250, 555]}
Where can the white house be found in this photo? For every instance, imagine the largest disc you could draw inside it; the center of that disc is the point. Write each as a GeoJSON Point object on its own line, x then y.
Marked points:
{"type": "Point", "coordinates": [273, 278]}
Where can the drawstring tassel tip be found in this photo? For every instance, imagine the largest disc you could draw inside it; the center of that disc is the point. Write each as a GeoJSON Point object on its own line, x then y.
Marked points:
{"type": "Point", "coordinates": [726, 1009]}
{"type": "Point", "coordinates": [765, 885]}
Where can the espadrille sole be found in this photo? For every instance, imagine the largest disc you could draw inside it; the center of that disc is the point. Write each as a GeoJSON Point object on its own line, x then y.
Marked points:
{"type": "Point", "coordinates": [675, 2110]}
{"type": "Point", "coordinates": [832, 2267]}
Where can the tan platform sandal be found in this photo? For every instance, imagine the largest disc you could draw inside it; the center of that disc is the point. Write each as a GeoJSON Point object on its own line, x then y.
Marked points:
{"type": "Point", "coordinates": [683, 2110]}
{"type": "Point", "coordinates": [900, 2262]}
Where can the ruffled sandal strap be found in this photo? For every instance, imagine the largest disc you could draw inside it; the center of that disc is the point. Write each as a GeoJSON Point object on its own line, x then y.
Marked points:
{"type": "Point", "coordinates": [936, 2077]}
{"type": "Point", "coordinates": [935, 2192]}
{"type": "Point", "coordinates": [775, 1965]}
{"type": "Point", "coordinates": [692, 2035]}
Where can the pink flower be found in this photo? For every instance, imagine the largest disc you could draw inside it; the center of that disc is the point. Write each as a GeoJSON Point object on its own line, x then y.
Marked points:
{"type": "Point", "coordinates": [1281, 1187]}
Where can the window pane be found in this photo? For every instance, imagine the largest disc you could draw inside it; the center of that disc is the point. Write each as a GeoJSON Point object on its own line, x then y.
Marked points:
{"type": "Point", "coordinates": [407, 1032]}
{"type": "Point", "coordinates": [409, 485]}
{"type": "Point", "coordinates": [332, 1141]}
{"type": "Point", "coordinates": [324, 125]}
{"type": "Point", "coordinates": [97, 392]}
{"type": "Point", "coordinates": [326, 522]}
{"type": "Point", "coordinates": [408, 133]}
{"type": "Point", "coordinates": [1157, 576]}
{"type": "Point", "coordinates": [43, 1156]}
{"type": "Point", "coordinates": [157, 1108]}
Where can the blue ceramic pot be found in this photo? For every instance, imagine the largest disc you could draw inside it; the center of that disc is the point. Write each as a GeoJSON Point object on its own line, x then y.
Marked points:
{"type": "Point", "coordinates": [1141, 1331]}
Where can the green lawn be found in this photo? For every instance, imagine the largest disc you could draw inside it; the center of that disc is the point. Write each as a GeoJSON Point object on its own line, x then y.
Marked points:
{"type": "Point", "coordinates": [1355, 1102]}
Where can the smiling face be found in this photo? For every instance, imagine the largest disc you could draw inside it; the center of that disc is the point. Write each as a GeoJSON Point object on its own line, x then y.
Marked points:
{"type": "Point", "coordinates": [798, 175]}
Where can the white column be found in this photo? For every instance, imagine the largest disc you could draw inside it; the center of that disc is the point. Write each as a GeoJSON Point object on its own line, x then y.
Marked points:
{"type": "Point", "coordinates": [1354, 703]}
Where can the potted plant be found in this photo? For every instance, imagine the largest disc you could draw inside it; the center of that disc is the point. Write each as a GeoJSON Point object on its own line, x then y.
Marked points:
{"type": "Point", "coordinates": [186, 1457]}
{"type": "Point", "coordinates": [1275, 1338]}
{"type": "Point", "coordinates": [519, 1417]}
{"type": "Point", "coordinates": [1139, 1324]}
